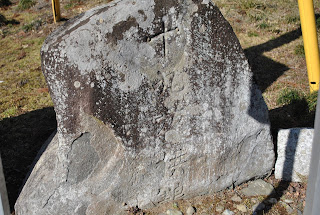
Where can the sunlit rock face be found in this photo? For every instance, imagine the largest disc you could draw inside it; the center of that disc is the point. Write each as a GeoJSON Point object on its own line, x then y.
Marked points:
{"type": "Point", "coordinates": [154, 102]}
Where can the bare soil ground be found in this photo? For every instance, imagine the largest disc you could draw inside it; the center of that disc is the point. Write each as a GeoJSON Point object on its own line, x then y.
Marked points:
{"type": "Point", "coordinates": [294, 193]}
{"type": "Point", "coordinates": [269, 31]}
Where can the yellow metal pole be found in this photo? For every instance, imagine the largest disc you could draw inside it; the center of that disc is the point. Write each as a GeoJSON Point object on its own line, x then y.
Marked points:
{"type": "Point", "coordinates": [310, 40]}
{"type": "Point", "coordinates": [56, 10]}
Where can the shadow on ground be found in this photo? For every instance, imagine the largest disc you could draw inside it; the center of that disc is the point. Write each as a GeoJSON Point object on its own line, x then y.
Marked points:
{"type": "Point", "coordinates": [21, 138]}
{"type": "Point", "coordinates": [293, 115]}
{"type": "Point", "coordinates": [296, 114]}
{"type": "Point", "coordinates": [266, 70]}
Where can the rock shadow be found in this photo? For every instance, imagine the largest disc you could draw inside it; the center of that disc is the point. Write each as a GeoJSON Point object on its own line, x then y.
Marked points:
{"type": "Point", "coordinates": [21, 139]}
{"type": "Point", "coordinates": [296, 114]}
{"type": "Point", "coordinates": [292, 115]}
{"type": "Point", "coordinates": [279, 191]}
{"type": "Point", "coordinates": [266, 70]}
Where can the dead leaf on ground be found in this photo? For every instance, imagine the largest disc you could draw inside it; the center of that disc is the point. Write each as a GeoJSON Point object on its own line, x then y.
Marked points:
{"type": "Point", "coordinates": [42, 90]}
{"type": "Point", "coordinates": [22, 55]}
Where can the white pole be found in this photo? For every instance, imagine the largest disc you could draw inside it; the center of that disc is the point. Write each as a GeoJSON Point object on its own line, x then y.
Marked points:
{"type": "Point", "coordinates": [4, 202]}
{"type": "Point", "coordinates": [1, 207]}
{"type": "Point", "coordinates": [313, 191]}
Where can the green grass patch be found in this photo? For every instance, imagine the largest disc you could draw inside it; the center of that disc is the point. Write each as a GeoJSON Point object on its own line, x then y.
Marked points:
{"type": "Point", "coordinates": [69, 6]}
{"type": "Point", "coordinates": [295, 97]}
{"type": "Point", "coordinates": [312, 100]}
{"type": "Point", "coordinates": [255, 16]}
{"type": "Point", "coordinates": [34, 25]}
{"type": "Point", "coordinates": [289, 96]}
{"type": "Point", "coordinates": [251, 4]}
{"type": "Point", "coordinates": [248, 4]}
{"type": "Point", "coordinates": [292, 19]}
{"type": "Point", "coordinates": [299, 50]}
{"type": "Point", "coordinates": [263, 25]}
{"type": "Point", "coordinates": [73, 3]}
{"type": "Point", "coordinates": [12, 111]}
{"type": "Point", "coordinates": [253, 34]}
{"type": "Point", "coordinates": [27, 27]}
{"type": "Point", "coordinates": [23, 88]}
{"type": "Point", "coordinates": [26, 4]}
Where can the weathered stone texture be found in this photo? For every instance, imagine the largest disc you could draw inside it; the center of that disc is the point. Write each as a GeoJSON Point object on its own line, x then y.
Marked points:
{"type": "Point", "coordinates": [154, 102]}
{"type": "Point", "coordinates": [294, 154]}
{"type": "Point", "coordinates": [257, 188]}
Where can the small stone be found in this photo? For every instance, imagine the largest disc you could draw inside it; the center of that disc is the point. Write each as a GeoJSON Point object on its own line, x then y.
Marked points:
{"type": "Point", "coordinates": [257, 188]}
{"type": "Point", "coordinates": [288, 201]}
{"type": "Point", "coordinates": [236, 198]}
{"type": "Point", "coordinates": [254, 200]}
{"type": "Point", "coordinates": [227, 212]}
{"type": "Point", "coordinates": [191, 210]}
{"type": "Point", "coordinates": [258, 207]}
{"type": "Point", "coordinates": [271, 201]}
{"type": "Point", "coordinates": [174, 212]}
{"type": "Point", "coordinates": [242, 208]}
{"type": "Point", "coordinates": [287, 207]}
{"type": "Point", "coordinates": [76, 84]}
{"type": "Point", "coordinates": [219, 208]}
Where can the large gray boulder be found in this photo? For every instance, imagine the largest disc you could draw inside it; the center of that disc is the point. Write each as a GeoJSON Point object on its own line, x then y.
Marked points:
{"type": "Point", "coordinates": [154, 102]}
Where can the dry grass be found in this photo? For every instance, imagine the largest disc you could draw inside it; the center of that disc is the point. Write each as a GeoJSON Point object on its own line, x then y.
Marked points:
{"type": "Point", "coordinates": [263, 23]}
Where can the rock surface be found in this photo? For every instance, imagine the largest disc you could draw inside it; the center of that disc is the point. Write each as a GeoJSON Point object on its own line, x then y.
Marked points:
{"type": "Point", "coordinates": [174, 212]}
{"type": "Point", "coordinates": [236, 198]}
{"type": "Point", "coordinates": [294, 154]}
{"type": "Point", "coordinates": [242, 208]}
{"type": "Point", "coordinates": [219, 208]}
{"type": "Point", "coordinates": [227, 212]}
{"type": "Point", "coordinates": [287, 207]}
{"type": "Point", "coordinates": [190, 210]}
{"type": "Point", "coordinates": [258, 187]}
{"type": "Point", "coordinates": [154, 102]}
